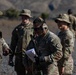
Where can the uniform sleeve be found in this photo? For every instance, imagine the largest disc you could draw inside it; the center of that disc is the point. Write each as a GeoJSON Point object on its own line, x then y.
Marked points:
{"type": "Point", "coordinates": [68, 46]}
{"type": "Point", "coordinates": [57, 47]}
{"type": "Point", "coordinates": [13, 44]}
{"type": "Point", "coordinates": [5, 44]}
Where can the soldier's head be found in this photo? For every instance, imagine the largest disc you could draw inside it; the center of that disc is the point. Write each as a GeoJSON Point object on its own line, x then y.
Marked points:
{"type": "Point", "coordinates": [40, 26]}
{"type": "Point", "coordinates": [25, 15]}
{"type": "Point", "coordinates": [70, 11]}
{"type": "Point", "coordinates": [63, 21]}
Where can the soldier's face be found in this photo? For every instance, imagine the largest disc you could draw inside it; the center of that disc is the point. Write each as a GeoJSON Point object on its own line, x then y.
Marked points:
{"type": "Point", "coordinates": [25, 19]}
{"type": "Point", "coordinates": [38, 29]}
{"type": "Point", "coordinates": [62, 25]}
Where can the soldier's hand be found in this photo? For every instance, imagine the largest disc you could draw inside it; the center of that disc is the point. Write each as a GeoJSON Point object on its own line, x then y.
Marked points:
{"type": "Point", "coordinates": [39, 59]}
{"type": "Point", "coordinates": [5, 51]}
{"type": "Point", "coordinates": [11, 63]}
{"type": "Point", "coordinates": [62, 71]}
{"type": "Point", "coordinates": [36, 59]}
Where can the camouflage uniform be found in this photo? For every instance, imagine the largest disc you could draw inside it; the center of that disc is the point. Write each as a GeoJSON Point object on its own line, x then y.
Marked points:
{"type": "Point", "coordinates": [2, 44]}
{"type": "Point", "coordinates": [67, 41]}
{"type": "Point", "coordinates": [68, 47]}
{"type": "Point", "coordinates": [21, 36]}
{"type": "Point", "coordinates": [46, 46]}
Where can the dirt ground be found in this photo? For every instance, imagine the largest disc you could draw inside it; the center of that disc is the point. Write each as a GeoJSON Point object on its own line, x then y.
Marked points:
{"type": "Point", "coordinates": [7, 27]}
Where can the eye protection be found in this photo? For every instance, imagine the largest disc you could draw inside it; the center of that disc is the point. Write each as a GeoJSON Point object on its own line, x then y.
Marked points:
{"type": "Point", "coordinates": [37, 29]}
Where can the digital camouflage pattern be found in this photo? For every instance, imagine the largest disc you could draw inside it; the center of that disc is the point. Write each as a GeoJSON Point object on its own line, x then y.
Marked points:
{"type": "Point", "coordinates": [21, 36]}
{"type": "Point", "coordinates": [45, 46]}
{"type": "Point", "coordinates": [67, 40]}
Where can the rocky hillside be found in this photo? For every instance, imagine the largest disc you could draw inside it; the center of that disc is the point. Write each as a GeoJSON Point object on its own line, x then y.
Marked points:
{"type": "Point", "coordinates": [38, 6]}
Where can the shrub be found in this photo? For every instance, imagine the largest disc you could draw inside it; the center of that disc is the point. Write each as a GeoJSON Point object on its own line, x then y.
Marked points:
{"type": "Point", "coordinates": [44, 16]}
{"type": "Point", "coordinates": [12, 13]}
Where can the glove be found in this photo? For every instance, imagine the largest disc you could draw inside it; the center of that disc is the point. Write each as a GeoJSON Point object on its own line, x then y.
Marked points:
{"type": "Point", "coordinates": [11, 63]}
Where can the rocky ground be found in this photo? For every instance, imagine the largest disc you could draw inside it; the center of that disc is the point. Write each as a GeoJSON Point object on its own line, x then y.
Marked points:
{"type": "Point", "coordinates": [6, 27]}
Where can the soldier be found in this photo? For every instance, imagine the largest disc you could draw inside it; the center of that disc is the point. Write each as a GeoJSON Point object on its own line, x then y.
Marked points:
{"type": "Point", "coordinates": [21, 36]}
{"type": "Point", "coordinates": [4, 49]}
{"type": "Point", "coordinates": [65, 64]}
{"type": "Point", "coordinates": [72, 19]}
{"type": "Point", "coordinates": [48, 48]}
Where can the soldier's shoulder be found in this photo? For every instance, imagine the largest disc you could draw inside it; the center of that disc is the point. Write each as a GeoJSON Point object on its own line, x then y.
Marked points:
{"type": "Point", "coordinates": [52, 36]}
{"type": "Point", "coordinates": [17, 28]}
{"type": "Point", "coordinates": [69, 34]}
{"type": "Point", "coordinates": [31, 24]}
{"type": "Point", "coordinates": [2, 40]}
{"type": "Point", "coordinates": [72, 16]}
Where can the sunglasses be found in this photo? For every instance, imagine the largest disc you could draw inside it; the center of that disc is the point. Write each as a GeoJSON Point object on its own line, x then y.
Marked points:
{"type": "Point", "coordinates": [36, 29]}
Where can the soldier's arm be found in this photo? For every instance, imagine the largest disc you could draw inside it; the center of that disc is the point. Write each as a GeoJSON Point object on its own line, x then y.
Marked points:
{"type": "Point", "coordinates": [68, 46]}
{"type": "Point", "coordinates": [5, 47]}
{"type": "Point", "coordinates": [13, 44]}
{"type": "Point", "coordinates": [57, 49]}
{"type": "Point", "coordinates": [5, 44]}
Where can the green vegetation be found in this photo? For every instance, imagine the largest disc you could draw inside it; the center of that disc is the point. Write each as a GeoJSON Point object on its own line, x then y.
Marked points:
{"type": "Point", "coordinates": [44, 16]}
{"type": "Point", "coordinates": [11, 13]}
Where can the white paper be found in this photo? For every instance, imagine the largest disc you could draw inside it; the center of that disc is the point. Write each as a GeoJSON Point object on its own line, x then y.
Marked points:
{"type": "Point", "coordinates": [31, 54]}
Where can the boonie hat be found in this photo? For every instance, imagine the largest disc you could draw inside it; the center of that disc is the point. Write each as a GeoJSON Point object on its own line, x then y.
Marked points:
{"type": "Point", "coordinates": [26, 12]}
{"type": "Point", "coordinates": [63, 17]}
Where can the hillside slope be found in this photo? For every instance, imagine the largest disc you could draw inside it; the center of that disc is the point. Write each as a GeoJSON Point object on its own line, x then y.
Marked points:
{"type": "Point", "coordinates": [50, 6]}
